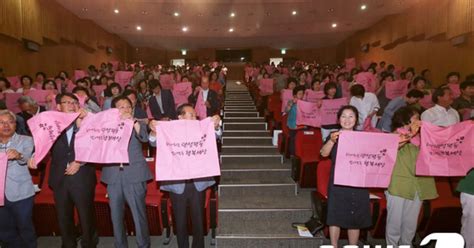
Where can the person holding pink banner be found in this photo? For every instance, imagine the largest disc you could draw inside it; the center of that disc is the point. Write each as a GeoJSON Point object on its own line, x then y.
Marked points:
{"type": "Point", "coordinates": [16, 187]}
{"type": "Point", "coordinates": [210, 97]}
{"type": "Point", "coordinates": [366, 104]}
{"type": "Point", "coordinates": [464, 104]}
{"type": "Point", "coordinates": [112, 91]}
{"type": "Point", "coordinates": [291, 111]}
{"type": "Point", "coordinates": [5, 86]}
{"type": "Point", "coordinates": [26, 84]}
{"type": "Point", "coordinates": [186, 193]}
{"type": "Point", "coordinates": [452, 80]}
{"type": "Point", "coordinates": [126, 183]}
{"type": "Point", "coordinates": [348, 207]}
{"type": "Point", "coordinates": [330, 90]}
{"type": "Point", "coordinates": [161, 104]}
{"type": "Point", "coordinates": [29, 108]}
{"type": "Point", "coordinates": [442, 114]}
{"type": "Point", "coordinates": [411, 98]}
{"type": "Point", "coordinates": [406, 191]}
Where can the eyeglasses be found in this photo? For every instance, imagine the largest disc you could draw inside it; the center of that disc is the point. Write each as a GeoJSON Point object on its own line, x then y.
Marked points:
{"type": "Point", "coordinates": [7, 122]}
{"type": "Point", "coordinates": [70, 102]}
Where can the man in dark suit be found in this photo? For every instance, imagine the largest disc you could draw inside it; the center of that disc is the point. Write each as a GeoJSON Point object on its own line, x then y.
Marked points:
{"type": "Point", "coordinates": [73, 182]}
{"type": "Point", "coordinates": [162, 105]}
{"type": "Point", "coordinates": [209, 96]}
{"type": "Point", "coordinates": [137, 111]}
{"type": "Point", "coordinates": [29, 108]}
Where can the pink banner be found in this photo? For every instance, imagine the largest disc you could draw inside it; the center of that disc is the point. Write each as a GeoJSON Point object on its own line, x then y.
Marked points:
{"type": "Point", "coordinates": [350, 64]}
{"type": "Point", "coordinates": [329, 110]}
{"type": "Point", "coordinates": [308, 114]}
{"type": "Point", "coordinates": [426, 101]}
{"type": "Point", "coordinates": [70, 86]}
{"type": "Point", "coordinates": [11, 101]}
{"type": "Point", "coordinates": [455, 89]}
{"type": "Point", "coordinates": [364, 159]}
{"type": "Point", "coordinates": [78, 74]}
{"type": "Point", "coordinates": [266, 86]}
{"type": "Point", "coordinates": [365, 65]}
{"type": "Point", "coordinates": [166, 81]}
{"type": "Point", "coordinates": [82, 100]}
{"type": "Point", "coordinates": [123, 77]}
{"type": "Point", "coordinates": [446, 151]}
{"type": "Point", "coordinates": [14, 82]}
{"type": "Point", "coordinates": [395, 89]}
{"type": "Point", "coordinates": [313, 96]}
{"type": "Point", "coordinates": [3, 176]}
{"type": "Point", "coordinates": [40, 96]}
{"type": "Point", "coordinates": [46, 128]}
{"type": "Point", "coordinates": [98, 89]}
{"type": "Point", "coordinates": [201, 109]}
{"type": "Point", "coordinates": [103, 138]}
{"type": "Point", "coordinates": [368, 80]}
{"type": "Point", "coordinates": [286, 96]}
{"type": "Point", "coordinates": [181, 92]}
{"type": "Point", "coordinates": [187, 150]}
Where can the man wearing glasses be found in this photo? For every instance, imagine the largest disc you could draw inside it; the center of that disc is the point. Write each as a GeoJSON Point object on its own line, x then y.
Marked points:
{"type": "Point", "coordinates": [73, 182]}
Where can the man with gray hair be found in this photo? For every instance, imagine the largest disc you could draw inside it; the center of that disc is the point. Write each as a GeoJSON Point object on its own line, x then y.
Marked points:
{"type": "Point", "coordinates": [16, 225]}
{"type": "Point", "coordinates": [29, 108]}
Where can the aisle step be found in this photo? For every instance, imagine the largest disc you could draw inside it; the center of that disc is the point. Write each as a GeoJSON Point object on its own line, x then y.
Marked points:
{"type": "Point", "coordinates": [241, 114]}
{"type": "Point", "coordinates": [237, 125]}
{"type": "Point", "coordinates": [245, 140]}
{"type": "Point", "coordinates": [240, 133]}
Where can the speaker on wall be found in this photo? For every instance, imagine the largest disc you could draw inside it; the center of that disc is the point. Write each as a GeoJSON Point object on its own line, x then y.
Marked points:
{"type": "Point", "coordinates": [365, 48]}
{"type": "Point", "coordinates": [108, 50]}
{"type": "Point", "coordinates": [32, 46]}
{"type": "Point", "coordinates": [457, 41]}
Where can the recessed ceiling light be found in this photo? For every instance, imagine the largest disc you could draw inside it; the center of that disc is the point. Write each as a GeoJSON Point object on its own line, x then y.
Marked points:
{"type": "Point", "coordinates": [139, 28]}
{"type": "Point", "coordinates": [232, 14]}
{"type": "Point", "coordinates": [176, 14]}
{"type": "Point", "coordinates": [84, 9]}
{"type": "Point", "coordinates": [185, 29]}
{"type": "Point", "coordinates": [331, 10]}
{"type": "Point", "coordinates": [231, 30]}
{"type": "Point", "coordinates": [242, 58]}
{"type": "Point", "coordinates": [283, 51]}
{"type": "Point", "coordinates": [334, 25]}
{"type": "Point", "coordinates": [144, 12]}
{"type": "Point", "coordinates": [183, 52]}
{"type": "Point", "coordinates": [363, 7]}
{"type": "Point", "coordinates": [294, 12]}
{"type": "Point", "coordinates": [116, 11]}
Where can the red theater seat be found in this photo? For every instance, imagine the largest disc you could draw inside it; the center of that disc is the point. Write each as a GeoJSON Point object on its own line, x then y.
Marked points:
{"type": "Point", "coordinates": [101, 207]}
{"type": "Point", "coordinates": [307, 146]}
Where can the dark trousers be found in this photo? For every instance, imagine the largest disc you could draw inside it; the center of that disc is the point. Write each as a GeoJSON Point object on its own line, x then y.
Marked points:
{"type": "Point", "coordinates": [66, 197]}
{"type": "Point", "coordinates": [195, 200]}
{"type": "Point", "coordinates": [16, 223]}
{"type": "Point", "coordinates": [291, 142]}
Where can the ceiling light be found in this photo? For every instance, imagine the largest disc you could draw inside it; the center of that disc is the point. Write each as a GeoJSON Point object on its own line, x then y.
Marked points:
{"type": "Point", "coordinates": [116, 11]}
{"type": "Point", "coordinates": [294, 12]}
{"type": "Point", "coordinates": [232, 14]}
{"type": "Point", "coordinates": [144, 12]}
{"type": "Point", "coordinates": [242, 58]}
{"type": "Point", "coordinates": [183, 52]}
{"type": "Point", "coordinates": [331, 10]}
{"type": "Point", "coordinates": [139, 28]}
{"type": "Point", "coordinates": [334, 25]}
{"type": "Point", "coordinates": [231, 30]}
{"type": "Point", "coordinates": [185, 29]}
{"type": "Point", "coordinates": [363, 7]}
{"type": "Point", "coordinates": [84, 9]}
{"type": "Point", "coordinates": [176, 14]}
{"type": "Point", "coordinates": [283, 51]}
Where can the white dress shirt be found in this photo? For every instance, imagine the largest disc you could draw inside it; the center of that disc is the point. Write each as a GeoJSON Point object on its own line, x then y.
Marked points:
{"type": "Point", "coordinates": [204, 94]}
{"type": "Point", "coordinates": [440, 116]}
{"type": "Point", "coordinates": [365, 106]}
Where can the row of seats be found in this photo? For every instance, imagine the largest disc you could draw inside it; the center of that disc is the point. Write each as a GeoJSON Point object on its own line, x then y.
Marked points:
{"type": "Point", "coordinates": [158, 207]}
{"type": "Point", "coordinates": [309, 170]}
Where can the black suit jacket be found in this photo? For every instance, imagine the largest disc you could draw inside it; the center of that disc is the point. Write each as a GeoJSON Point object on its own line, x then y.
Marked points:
{"type": "Point", "coordinates": [26, 116]}
{"type": "Point", "coordinates": [213, 100]}
{"type": "Point", "coordinates": [167, 101]}
{"type": "Point", "coordinates": [62, 153]}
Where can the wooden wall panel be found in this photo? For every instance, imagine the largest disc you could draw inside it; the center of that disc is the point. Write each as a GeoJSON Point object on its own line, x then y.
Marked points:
{"type": "Point", "coordinates": [31, 20]}
{"type": "Point", "coordinates": [399, 27]}
{"type": "Point", "coordinates": [385, 31]}
{"type": "Point", "coordinates": [437, 18]}
{"type": "Point", "coordinates": [421, 20]}
{"type": "Point", "coordinates": [11, 18]}
{"type": "Point", "coordinates": [67, 25]}
{"type": "Point", "coordinates": [459, 17]}
{"type": "Point", "coordinates": [50, 20]}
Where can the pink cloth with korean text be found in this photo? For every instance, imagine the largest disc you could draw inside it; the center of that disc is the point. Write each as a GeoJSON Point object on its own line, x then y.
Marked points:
{"type": "Point", "coordinates": [201, 109]}
{"type": "Point", "coordinates": [45, 128]}
{"type": "Point", "coordinates": [396, 88]}
{"type": "Point", "coordinates": [426, 102]}
{"type": "Point", "coordinates": [11, 101]}
{"type": "Point", "coordinates": [365, 159]}
{"type": "Point", "coordinates": [368, 80]}
{"type": "Point", "coordinates": [350, 63]}
{"type": "Point", "coordinates": [285, 96]}
{"type": "Point", "coordinates": [103, 138]}
{"type": "Point", "coordinates": [40, 96]}
{"type": "Point", "coordinates": [455, 89]}
{"type": "Point", "coordinates": [181, 92]}
{"type": "Point", "coordinates": [313, 96]}
{"type": "Point", "coordinates": [266, 86]}
{"type": "Point", "coordinates": [3, 176]}
{"type": "Point", "coordinates": [15, 82]}
{"type": "Point", "coordinates": [446, 151]}
{"type": "Point", "coordinates": [329, 109]}
{"type": "Point", "coordinates": [186, 149]}
{"type": "Point", "coordinates": [166, 81]}
{"type": "Point", "coordinates": [78, 74]}
{"type": "Point", "coordinates": [308, 114]}
{"type": "Point", "coordinates": [123, 77]}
